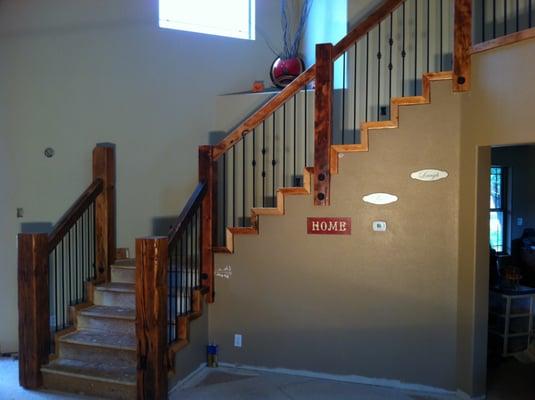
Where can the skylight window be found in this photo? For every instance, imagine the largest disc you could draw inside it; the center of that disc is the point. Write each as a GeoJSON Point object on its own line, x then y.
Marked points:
{"type": "Point", "coordinates": [230, 18]}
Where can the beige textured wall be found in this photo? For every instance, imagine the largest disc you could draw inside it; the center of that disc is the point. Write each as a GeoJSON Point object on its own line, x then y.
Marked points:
{"type": "Point", "coordinates": [497, 111]}
{"type": "Point", "coordinates": [74, 73]}
{"type": "Point", "coordinates": [381, 305]}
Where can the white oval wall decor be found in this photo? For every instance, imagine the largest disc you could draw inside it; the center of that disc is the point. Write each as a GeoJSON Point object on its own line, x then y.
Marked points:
{"type": "Point", "coordinates": [380, 198]}
{"type": "Point", "coordinates": [429, 175]}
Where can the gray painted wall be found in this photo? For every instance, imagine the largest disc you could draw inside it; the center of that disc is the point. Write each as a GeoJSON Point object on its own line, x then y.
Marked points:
{"type": "Point", "coordinates": [77, 72]}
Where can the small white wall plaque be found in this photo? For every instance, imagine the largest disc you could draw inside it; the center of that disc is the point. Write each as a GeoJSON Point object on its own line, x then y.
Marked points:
{"type": "Point", "coordinates": [380, 198]}
{"type": "Point", "coordinates": [429, 175]}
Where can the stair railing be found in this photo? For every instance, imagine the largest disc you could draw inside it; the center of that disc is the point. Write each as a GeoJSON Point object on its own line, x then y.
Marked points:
{"type": "Point", "coordinates": [270, 146]}
{"type": "Point", "coordinates": [57, 270]}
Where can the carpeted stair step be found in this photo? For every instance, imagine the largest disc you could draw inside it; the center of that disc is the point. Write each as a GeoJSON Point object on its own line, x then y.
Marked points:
{"type": "Point", "coordinates": [108, 319]}
{"type": "Point", "coordinates": [124, 271]}
{"type": "Point", "coordinates": [115, 294]}
{"type": "Point", "coordinates": [98, 346]}
{"type": "Point", "coordinates": [101, 379]}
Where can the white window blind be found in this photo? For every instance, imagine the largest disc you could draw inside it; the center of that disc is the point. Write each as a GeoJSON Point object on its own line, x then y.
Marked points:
{"type": "Point", "coordinates": [231, 18]}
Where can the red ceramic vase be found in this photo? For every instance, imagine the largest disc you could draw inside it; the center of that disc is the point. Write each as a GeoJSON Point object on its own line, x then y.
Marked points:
{"type": "Point", "coordinates": [284, 71]}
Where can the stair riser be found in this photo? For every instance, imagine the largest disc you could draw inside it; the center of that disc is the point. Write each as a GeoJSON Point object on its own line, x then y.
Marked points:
{"type": "Point", "coordinates": [123, 275]}
{"type": "Point", "coordinates": [118, 299]}
{"type": "Point", "coordinates": [106, 324]}
{"type": "Point", "coordinates": [87, 386]}
{"type": "Point", "coordinates": [75, 351]}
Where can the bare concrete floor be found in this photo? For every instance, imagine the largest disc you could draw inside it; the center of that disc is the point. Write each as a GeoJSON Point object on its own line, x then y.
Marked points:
{"type": "Point", "coordinates": [230, 383]}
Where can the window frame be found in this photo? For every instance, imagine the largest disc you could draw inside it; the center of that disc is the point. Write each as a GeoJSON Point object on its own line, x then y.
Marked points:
{"type": "Point", "coordinates": [188, 26]}
{"type": "Point", "coordinates": [504, 209]}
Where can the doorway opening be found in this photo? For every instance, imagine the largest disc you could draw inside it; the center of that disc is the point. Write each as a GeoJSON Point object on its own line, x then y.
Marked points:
{"type": "Point", "coordinates": [511, 307]}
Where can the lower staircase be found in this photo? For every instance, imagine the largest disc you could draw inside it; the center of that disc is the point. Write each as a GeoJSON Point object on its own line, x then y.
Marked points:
{"type": "Point", "coordinates": [97, 356]}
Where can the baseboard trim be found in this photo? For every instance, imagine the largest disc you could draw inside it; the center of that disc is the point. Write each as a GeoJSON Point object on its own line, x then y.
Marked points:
{"type": "Point", "coordinates": [465, 396]}
{"type": "Point", "coordinates": [386, 383]}
{"type": "Point", "coordinates": [193, 377]}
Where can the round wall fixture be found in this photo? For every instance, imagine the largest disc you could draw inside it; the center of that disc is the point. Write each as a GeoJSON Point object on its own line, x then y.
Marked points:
{"type": "Point", "coordinates": [49, 152]}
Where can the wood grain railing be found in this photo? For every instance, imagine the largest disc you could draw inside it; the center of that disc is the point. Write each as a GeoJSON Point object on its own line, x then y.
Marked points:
{"type": "Point", "coordinates": [84, 237]}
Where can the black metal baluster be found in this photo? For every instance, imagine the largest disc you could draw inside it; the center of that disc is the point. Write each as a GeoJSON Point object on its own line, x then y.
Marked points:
{"type": "Point", "coordinates": [78, 300]}
{"type": "Point", "coordinates": [84, 272]}
{"type": "Point", "coordinates": [176, 290]}
{"type": "Point", "coordinates": [415, 47]}
{"type": "Point", "coordinates": [254, 167]}
{"type": "Point", "coordinates": [234, 185]}
{"type": "Point", "coordinates": [367, 73]}
{"type": "Point", "coordinates": [263, 163]}
{"type": "Point", "coordinates": [69, 267]}
{"type": "Point", "coordinates": [494, 19]}
{"type": "Point", "coordinates": [294, 141]}
{"type": "Point", "coordinates": [191, 286]}
{"type": "Point", "coordinates": [379, 73]}
{"type": "Point", "coordinates": [428, 33]}
{"type": "Point", "coordinates": [170, 298]}
{"type": "Point", "coordinates": [517, 17]}
{"type": "Point", "coordinates": [355, 94]}
{"type": "Point", "coordinates": [403, 52]}
{"type": "Point", "coordinates": [284, 145]}
{"type": "Point", "coordinates": [390, 66]}
{"type": "Point", "coordinates": [62, 283]}
{"type": "Point", "coordinates": [94, 240]}
{"type": "Point", "coordinates": [343, 96]}
{"type": "Point", "coordinates": [355, 49]}
{"type": "Point", "coordinates": [504, 17]}
{"type": "Point", "coordinates": [273, 161]}
{"type": "Point", "coordinates": [224, 224]}
{"type": "Point", "coordinates": [529, 14]}
{"type": "Point", "coordinates": [306, 125]}
{"type": "Point", "coordinates": [441, 34]}
{"type": "Point", "coordinates": [483, 20]}
{"type": "Point", "coordinates": [56, 305]}
{"type": "Point", "coordinates": [181, 276]}
{"type": "Point", "coordinates": [243, 147]}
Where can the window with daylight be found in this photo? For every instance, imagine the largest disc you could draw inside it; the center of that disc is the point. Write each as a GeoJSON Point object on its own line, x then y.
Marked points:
{"type": "Point", "coordinates": [498, 209]}
{"type": "Point", "coordinates": [230, 18]}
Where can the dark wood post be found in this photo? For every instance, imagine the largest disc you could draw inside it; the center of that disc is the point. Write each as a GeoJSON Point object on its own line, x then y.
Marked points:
{"type": "Point", "coordinates": [151, 317]}
{"type": "Point", "coordinates": [34, 313]}
{"type": "Point", "coordinates": [323, 123]}
{"type": "Point", "coordinates": [208, 174]}
{"type": "Point", "coordinates": [462, 42]}
{"type": "Point", "coordinates": [104, 168]}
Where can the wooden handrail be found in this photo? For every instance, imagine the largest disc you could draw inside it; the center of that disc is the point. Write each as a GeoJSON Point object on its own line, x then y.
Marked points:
{"type": "Point", "coordinates": [263, 112]}
{"type": "Point", "coordinates": [67, 221]}
{"type": "Point", "coordinates": [189, 209]}
{"type": "Point", "coordinates": [365, 26]}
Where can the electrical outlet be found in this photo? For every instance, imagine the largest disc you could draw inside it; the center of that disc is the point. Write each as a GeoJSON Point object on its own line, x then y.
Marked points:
{"type": "Point", "coordinates": [237, 340]}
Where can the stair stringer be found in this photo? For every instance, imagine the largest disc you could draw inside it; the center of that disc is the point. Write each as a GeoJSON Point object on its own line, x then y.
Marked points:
{"type": "Point", "coordinates": [258, 211]}
{"type": "Point", "coordinates": [365, 128]}
{"type": "Point", "coordinates": [395, 103]}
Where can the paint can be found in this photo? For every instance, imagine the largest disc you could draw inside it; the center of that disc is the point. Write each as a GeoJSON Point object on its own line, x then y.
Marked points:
{"type": "Point", "coordinates": [211, 351]}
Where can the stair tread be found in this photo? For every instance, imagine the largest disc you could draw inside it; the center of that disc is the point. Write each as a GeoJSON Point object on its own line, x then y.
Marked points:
{"type": "Point", "coordinates": [110, 312]}
{"type": "Point", "coordinates": [101, 339]}
{"type": "Point", "coordinates": [107, 371]}
{"type": "Point", "coordinates": [117, 287]}
{"type": "Point", "coordinates": [127, 262]}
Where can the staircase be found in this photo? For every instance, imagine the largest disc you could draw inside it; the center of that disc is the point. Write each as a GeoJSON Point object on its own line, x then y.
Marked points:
{"type": "Point", "coordinates": [116, 325]}
{"type": "Point", "coordinates": [97, 356]}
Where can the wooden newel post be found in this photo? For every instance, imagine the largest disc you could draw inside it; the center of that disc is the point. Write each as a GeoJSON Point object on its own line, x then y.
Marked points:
{"type": "Point", "coordinates": [462, 42]}
{"type": "Point", "coordinates": [151, 317]}
{"type": "Point", "coordinates": [34, 313]}
{"type": "Point", "coordinates": [208, 174]}
{"type": "Point", "coordinates": [323, 123]}
{"type": "Point", "coordinates": [104, 168]}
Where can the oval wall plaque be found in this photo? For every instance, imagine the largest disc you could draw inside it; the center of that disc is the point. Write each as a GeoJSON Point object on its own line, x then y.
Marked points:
{"type": "Point", "coordinates": [429, 175]}
{"type": "Point", "coordinates": [380, 198]}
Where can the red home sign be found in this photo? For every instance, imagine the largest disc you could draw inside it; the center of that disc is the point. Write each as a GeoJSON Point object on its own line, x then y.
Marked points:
{"type": "Point", "coordinates": [329, 226]}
